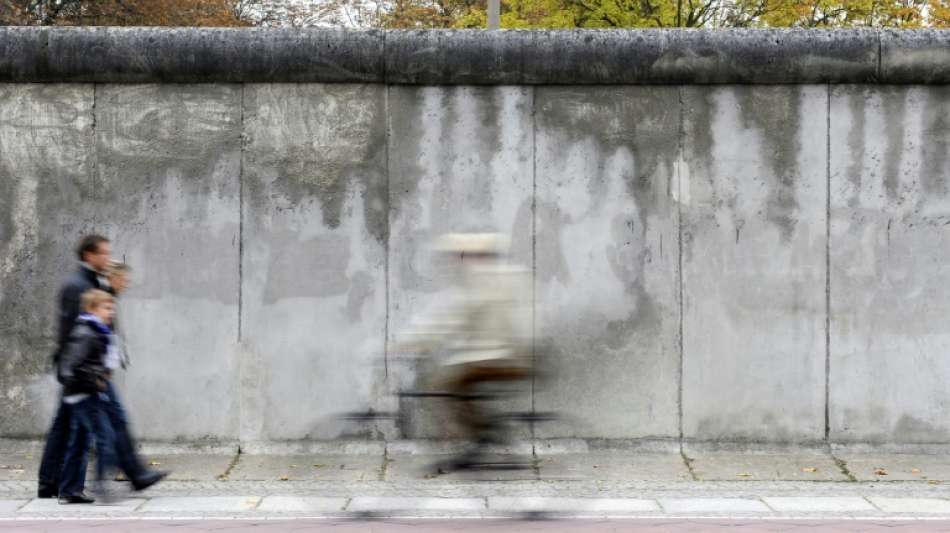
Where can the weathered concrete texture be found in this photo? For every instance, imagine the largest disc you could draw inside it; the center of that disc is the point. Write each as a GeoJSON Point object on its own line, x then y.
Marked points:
{"type": "Point", "coordinates": [607, 247]}
{"type": "Point", "coordinates": [752, 193]}
{"type": "Point", "coordinates": [465, 56]}
{"type": "Point", "coordinates": [439, 57]}
{"type": "Point", "coordinates": [307, 468]}
{"type": "Point", "coordinates": [313, 275]}
{"type": "Point", "coordinates": [167, 162]}
{"type": "Point", "coordinates": [191, 467]}
{"type": "Point", "coordinates": [18, 466]}
{"type": "Point", "coordinates": [174, 55]}
{"type": "Point", "coordinates": [801, 466]}
{"type": "Point", "coordinates": [898, 467]}
{"type": "Point", "coordinates": [697, 56]}
{"type": "Point", "coordinates": [460, 159]}
{"type": "Point", "coordinates": [613, 466]}
{"type": "Point", "coordinates": [46, 192]}
{"type": "Point", "coordinates": [920, 56]}
{"type": "Point", "coordinates": [890, 280]}
{"type": "Point", "coordinates": [423, 469]}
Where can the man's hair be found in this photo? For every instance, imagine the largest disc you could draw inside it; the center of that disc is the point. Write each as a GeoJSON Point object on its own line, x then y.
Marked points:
{"type": "Point", "coordinates": [93, 298]}
{"type": "Point", "coordinates": [89, 244]}
{"type": "Point", "coordinates": [118, 267]}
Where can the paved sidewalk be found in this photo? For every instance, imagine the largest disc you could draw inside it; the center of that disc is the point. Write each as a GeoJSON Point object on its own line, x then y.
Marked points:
{"type": "Point", "coordinates": [693, 484]}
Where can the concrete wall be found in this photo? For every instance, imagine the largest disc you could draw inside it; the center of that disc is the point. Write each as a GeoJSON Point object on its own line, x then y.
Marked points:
{"type": "Point", "coordinates": [726, 262]}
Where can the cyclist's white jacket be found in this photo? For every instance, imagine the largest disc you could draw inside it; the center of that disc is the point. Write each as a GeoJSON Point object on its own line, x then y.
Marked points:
{"type": "Point", "coordinates": [488, 320]}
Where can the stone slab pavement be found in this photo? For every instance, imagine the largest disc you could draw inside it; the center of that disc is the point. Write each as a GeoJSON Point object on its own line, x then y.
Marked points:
{"type": "Point", "coordinates": [599, 484]}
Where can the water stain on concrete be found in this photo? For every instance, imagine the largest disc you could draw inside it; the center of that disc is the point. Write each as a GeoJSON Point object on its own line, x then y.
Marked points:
{"type": "Point", "coordinates": [775, 112]}
{"type": "Point", "coordinates": [895, 108]}
{"type": "Point", "coordinates": [857, 105]}
{"type": "Point", "coordinates": [318, 142]}
{"type": "Point", "coordinates": [936, 142]}
{"type": "Point", "coordinates": [644, 121]}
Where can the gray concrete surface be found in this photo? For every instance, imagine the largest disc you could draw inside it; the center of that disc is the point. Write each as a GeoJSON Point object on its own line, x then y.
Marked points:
{"type": "Point", "coordinates": [47, 197]}
{"type": "Point", "coordinates": [606, 240]}
{"type": "Point", "coordinates": [168, 193]}
{"type": "Point", "coordinates": [307, 468]}
{"type": "Point", "coordinates": [440, 57]}
{"type": "Point", "coordinates": [754, 264]}
{"type": "Point", "coordinates": [752, 194]}
{"type": "Point", "coordinates": [889, 288]}
{"type": "Point", "coordinates": [313, 276]}
{"type": "Point", "coordinates": [724, 466]}
{"type": "Point", "coordinates": [898, 467]}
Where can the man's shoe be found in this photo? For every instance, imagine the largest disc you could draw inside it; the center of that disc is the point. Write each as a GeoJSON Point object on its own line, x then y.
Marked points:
{"type": "Point", "coordinates": [46, 492]}
{"type": "Point", "coordinates": [81, 497]}
{"type": "Point", "coordinates": [148, 479]}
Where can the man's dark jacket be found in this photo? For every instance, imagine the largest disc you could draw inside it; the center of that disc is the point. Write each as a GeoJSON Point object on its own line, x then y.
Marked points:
{"type": "Point", "coordinates": [74, 286]}
{"type": "Point", "coordinates": [82, 367]}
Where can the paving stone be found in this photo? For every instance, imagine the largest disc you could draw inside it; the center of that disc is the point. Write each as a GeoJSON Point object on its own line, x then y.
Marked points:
{"type": "Point", "coordinates": [7, 507]}
{"type": "Point", "coordinates": [421, 468]}
{"type": "Point", "coordinates": [307, 468]}
{"type": "Point", "coordinates": [201, 504]}
{"type": "Point", "coordinates": [18, 466]}
{"type": "Point", "coordinates": [301, 504]}
{"type": "Point", "coordinates": [190, 467]}
{"type": "Point", "coordinates": [370, 503]}
{"type": "Point", "coordinates": [614, 466]}
{"type": "Point", "coordinates": [728, 466]}
{"type": "Point", "coordinates": [818, 505]}
{"type": "Point", "coordinates": [573, 505]}
{"type": "Point", "coordinates": [712, 505]}
{"type": "Point", "coordinates": [50, 506]}
{"type": "Point", "coordinates": [898, 467]}
{"type": "Point", "coordinates": [912, 505]}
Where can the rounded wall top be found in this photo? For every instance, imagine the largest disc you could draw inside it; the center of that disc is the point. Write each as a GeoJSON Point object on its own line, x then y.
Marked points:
{"type": "Point", "coordinates": [473, 57]}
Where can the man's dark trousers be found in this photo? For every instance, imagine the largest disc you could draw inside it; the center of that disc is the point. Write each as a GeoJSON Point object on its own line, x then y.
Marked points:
{"type": "Point", "coordinates": [54, 452]}
{"type": "Point", "coordinates": [124, 447]}
{"type": "Point", "coordinates": [89, 422]}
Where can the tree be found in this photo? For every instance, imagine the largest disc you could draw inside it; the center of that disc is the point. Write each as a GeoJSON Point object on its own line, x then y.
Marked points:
{"type": "Point", "coordinates": [129, 12]}
{"type": "Point", "coordinates": [13, 13]}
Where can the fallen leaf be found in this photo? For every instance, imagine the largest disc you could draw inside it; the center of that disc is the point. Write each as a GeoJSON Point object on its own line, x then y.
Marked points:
{"type": "Point", "coordinates": [914, 470]}
{"type": "Point", "coordinates": [154, 463]}
{"type": "Point", "coordinates": [293, 466]}
{"type": "Point", "coordinates": [222, 477]}
{"type": "Point", "coordinates": [284, 478]}
{"type": "Point", "coordinates": [744, 474]}
{"type": "Point", "coordinates": [880, 471]}
{"type": "Point", "coordinates": [933, 482]}
{"type": "Point", "coordinates": [810, 469]}
{"type": "Point", "coordinates": [317, 465]}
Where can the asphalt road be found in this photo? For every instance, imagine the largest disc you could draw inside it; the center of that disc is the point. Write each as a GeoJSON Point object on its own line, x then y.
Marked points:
{"type": "Point", "coordinates": [493, 526]}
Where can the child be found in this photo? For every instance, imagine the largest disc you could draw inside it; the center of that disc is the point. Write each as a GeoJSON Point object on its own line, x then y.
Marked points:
{"type": "Point", "coordinates": [118, 275]}
{"type": "Point", "coordinates": [83, 370]}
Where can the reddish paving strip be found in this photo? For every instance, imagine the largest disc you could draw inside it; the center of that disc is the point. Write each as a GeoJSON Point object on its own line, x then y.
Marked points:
{"type": "Point", "coordinates": [492, 526]}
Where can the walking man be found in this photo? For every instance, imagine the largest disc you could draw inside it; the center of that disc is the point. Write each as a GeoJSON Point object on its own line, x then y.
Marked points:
{"type": "Point", "coordinates": [94, 253]}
